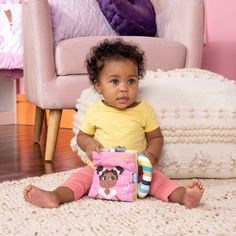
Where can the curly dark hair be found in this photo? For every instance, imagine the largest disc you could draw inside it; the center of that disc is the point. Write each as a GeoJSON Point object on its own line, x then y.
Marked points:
{"type": "Point", "coordinates": [114, 49]}
{"type": "Point", "coordinates": [119, 170]}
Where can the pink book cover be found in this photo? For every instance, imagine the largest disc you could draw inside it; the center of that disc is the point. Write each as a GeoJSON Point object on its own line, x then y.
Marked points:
{"type": "Point", "coordinates": [115, 175]}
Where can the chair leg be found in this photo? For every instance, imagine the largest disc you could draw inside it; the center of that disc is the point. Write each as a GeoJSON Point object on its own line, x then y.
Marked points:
{"type": "Point", "coordinates": [38, 124]}
{"type": "Point", "coordinates": [52, 134]}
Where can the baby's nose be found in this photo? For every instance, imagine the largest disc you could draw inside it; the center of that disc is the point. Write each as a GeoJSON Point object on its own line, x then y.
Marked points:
{"type": "Point", "coordinates": [123, 87]}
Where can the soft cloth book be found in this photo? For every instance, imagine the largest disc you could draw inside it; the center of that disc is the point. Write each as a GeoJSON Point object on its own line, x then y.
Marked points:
{"type": "Point", "coordinates": [116, 175]}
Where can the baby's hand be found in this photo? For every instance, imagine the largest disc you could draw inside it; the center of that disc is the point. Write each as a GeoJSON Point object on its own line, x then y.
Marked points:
{"type": "Point", "coordinates": [93, 145]}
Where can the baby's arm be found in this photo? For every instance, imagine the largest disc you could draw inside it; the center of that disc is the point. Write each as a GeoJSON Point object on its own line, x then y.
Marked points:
{"type": "Point", "coordinates": [154, 144]}
{"type": "Point", "coordinates": [87, 143]}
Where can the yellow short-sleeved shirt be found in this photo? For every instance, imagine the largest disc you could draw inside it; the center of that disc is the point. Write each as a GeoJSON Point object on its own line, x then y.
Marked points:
{"type": "Point", "coordinates": [114, 127]}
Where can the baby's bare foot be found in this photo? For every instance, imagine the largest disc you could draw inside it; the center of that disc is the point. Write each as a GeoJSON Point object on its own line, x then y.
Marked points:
{"type": "Point", "coordinates": [40, 197]}
{"type": "Point", "coordinates": [193, 194]}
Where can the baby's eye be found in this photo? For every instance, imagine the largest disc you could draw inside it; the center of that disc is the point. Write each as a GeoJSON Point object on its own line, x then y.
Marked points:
{"type": "Point", "coordinates": [114, 81]}
{"type": "Point", "coordinates": [131, 81]}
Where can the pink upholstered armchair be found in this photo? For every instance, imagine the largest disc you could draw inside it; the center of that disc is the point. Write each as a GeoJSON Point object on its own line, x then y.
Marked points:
{"type": "Point", "coordinates": [55, 74]}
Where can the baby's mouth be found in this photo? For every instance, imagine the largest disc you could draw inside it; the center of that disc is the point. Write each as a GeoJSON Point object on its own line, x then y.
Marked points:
{"type": "Point", "coordinates": [122, 99]}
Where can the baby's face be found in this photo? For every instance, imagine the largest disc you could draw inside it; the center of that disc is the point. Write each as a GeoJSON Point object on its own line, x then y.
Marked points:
{"type": "Point", "coordinates": [118, 83]}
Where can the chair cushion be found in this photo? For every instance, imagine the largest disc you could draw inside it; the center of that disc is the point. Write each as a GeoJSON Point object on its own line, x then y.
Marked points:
{"type": "Point", "coordinates": [197, 114]}
{"type": "Point", "coordinates": [71, 53]}
{"type": "Point", "coordinates": [130, 17]}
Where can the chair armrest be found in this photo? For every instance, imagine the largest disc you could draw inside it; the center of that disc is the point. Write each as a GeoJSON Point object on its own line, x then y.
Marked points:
{"type": "Point", "coordinates": [38, 49]}
{"type": "Point", "coordinates": [183, 21]}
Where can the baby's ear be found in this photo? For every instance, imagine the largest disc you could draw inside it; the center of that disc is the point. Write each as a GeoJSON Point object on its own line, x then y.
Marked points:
{"type": "Point", "coordinates": [96, 85]}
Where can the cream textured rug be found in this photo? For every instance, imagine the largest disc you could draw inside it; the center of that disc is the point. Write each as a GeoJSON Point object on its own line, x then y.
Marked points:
{"type": "Point", "coordinates": [215, 216]}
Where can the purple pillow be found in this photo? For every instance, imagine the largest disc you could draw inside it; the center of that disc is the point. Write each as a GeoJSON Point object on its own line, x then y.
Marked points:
{"type": "Point", "coordinates": [130, 17]}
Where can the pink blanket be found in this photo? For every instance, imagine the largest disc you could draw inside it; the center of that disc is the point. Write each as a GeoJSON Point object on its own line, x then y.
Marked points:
{"type": "Point", "coordinates": [10, 35]}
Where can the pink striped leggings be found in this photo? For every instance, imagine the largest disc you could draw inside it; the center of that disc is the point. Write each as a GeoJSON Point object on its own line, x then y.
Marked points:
{"type": "Point", "coordinates": [80, 182]}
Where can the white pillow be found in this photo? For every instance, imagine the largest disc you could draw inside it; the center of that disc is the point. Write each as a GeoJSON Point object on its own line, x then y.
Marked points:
{"type": "Point", "coordinates": [197, 114]}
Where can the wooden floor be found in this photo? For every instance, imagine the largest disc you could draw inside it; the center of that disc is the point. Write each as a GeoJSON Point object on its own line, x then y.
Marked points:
{"type": "Point", "coordinates": [20, 157]}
